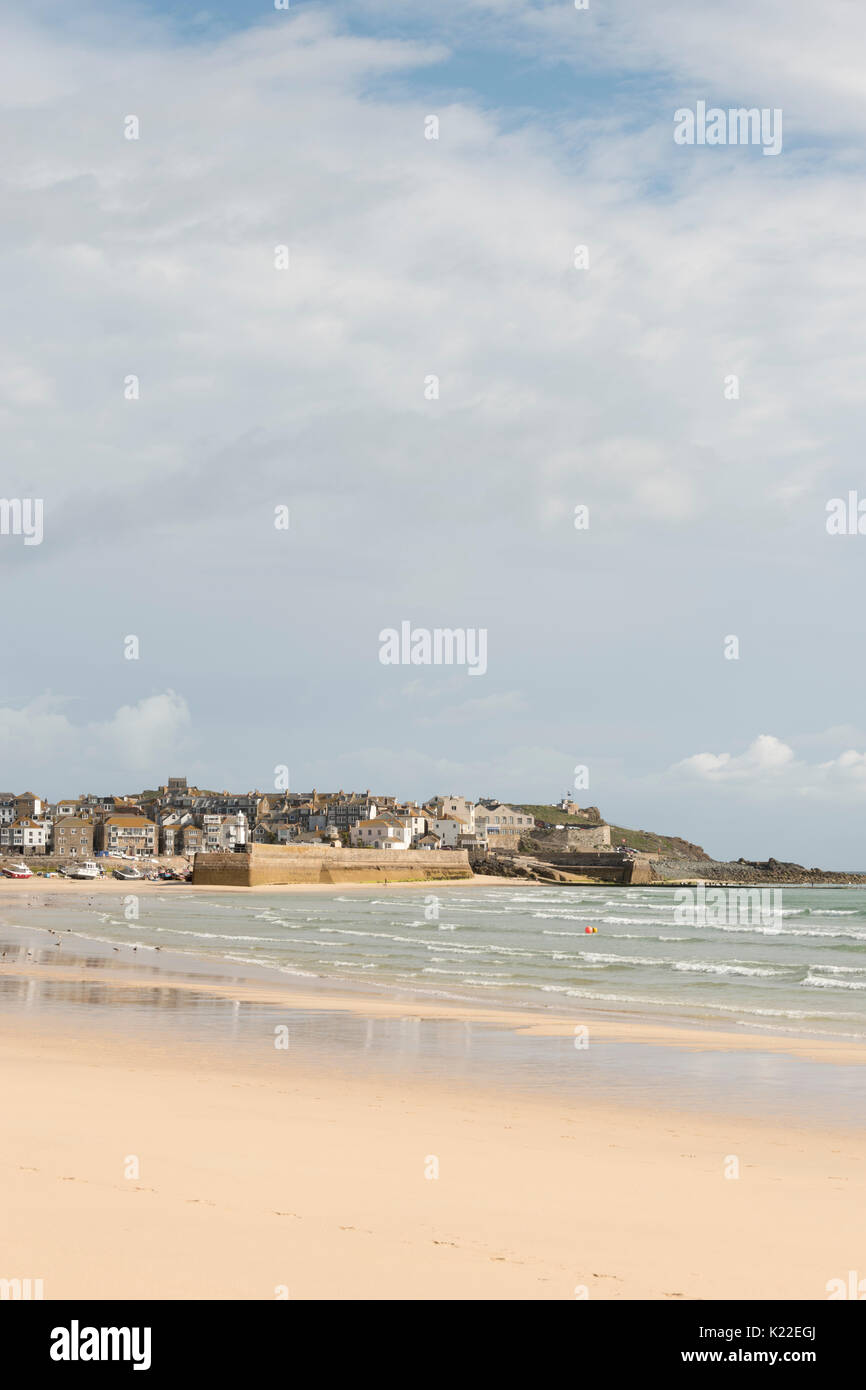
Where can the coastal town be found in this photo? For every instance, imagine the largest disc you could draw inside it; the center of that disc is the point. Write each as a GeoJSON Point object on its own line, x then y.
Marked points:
{"type": "Point", "coordinates": [177, 820]}
{"type": "Point", "coordinates": [181, 831]}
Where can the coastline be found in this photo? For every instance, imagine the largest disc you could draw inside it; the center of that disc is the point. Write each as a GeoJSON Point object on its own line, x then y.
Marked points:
{"type": "Point", "coordinates": [17, 889]}
{"type": "Point", "coordinates": [124, 969]}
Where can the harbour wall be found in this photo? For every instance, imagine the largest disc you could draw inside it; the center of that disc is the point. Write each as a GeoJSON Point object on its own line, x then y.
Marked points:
{"type": "Point", "coordinates": [261, 865]}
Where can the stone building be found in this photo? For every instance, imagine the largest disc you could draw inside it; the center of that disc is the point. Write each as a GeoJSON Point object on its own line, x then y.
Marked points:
{"type": "Point", "coordinates": [73, 838]}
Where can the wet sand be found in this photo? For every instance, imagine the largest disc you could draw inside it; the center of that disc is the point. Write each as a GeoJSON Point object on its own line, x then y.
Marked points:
{"type": "Point", "coordinates": [43, 956]}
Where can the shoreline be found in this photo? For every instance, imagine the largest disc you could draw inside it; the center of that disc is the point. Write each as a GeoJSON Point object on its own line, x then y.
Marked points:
{"type": "Point", "coordinates": [16, 889]}
{"type": "Point", "coordinates": [124, 969]}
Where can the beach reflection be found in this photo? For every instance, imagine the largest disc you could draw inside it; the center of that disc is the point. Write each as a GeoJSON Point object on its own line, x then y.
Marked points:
{"type": "Point", "coordinates": [738, 1082]}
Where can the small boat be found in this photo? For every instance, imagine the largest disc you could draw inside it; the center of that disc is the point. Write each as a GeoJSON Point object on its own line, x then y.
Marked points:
{"type": "Point", "coordinates": [17, 871]}
{"type": "Point", "coordinates": [128, 872]}
{"type": "Point", "coordinates": [86, 869]}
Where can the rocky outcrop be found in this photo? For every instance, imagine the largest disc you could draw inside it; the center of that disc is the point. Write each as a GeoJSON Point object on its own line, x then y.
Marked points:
{"type": "Point", "coordinates": [748, 871]}
{"type": "Point", "coordinates": [501, 868]}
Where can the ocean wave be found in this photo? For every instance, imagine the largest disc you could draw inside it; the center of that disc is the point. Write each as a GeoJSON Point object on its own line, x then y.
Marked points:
{"type": "Point", "coordinates": [792, 931]}
{"type": "Point", "coordinates": [719, 968]}
{"type": "Point", "coordinates": [821, 982]}
{"type": "Point", "coordinates": [689, 1004]}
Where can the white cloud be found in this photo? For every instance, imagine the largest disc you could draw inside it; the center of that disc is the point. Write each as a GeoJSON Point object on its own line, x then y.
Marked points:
{"type": "Point", "coordinates": [408, 257]}
{"type": "Point", "coordinates": [767, 755]}
{"type": "Point", "coordinates": [40, 740]}
{"type": "Point", "coordinates": [770, 767]}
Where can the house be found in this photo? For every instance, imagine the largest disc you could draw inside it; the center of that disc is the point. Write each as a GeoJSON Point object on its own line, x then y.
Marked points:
{"type": "Point", "coordinates": [25, 836]}
{"type": "Point", "coordinates": [211, 826]}
{"type": "Point", "coordinates": [454, 806]}
{"type": "Point", "coordinates": [128, 835]}
{"type": "Point", "coordinates": [73, 838]}
{"type": "Point", "coordinates": [448, 828]}
{"type": "Point", "coordinates": [317, 837]}
{"type": "Point", "coordinates": [502, 825]}
{"type": "Point", "coordinates": [7, 808]}
{"type": "Point", "coordinates": [170, 838]}
{"type": "Point", "coordinates": [380, 833]}
{"type": "Point", "coordinates": [345, 810]}
{"type": "Point", "coordinates": [412, 817]}
{"type": "Point", "coordinates": [191, 839]}
{"type": "Point", "coordinates": [171, 824]}
{"type": "Point", "coordinates": [28, 806]}
{"type": "Point", "coordinates": [428, 841]}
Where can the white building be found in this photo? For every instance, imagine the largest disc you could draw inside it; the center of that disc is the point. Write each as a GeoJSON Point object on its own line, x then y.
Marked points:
{"type": "Point", "coordinates": [211, 825]}
{"type": "Point", "coordinates": [233, 831]}
{"type": "Point", "coordinates": [380, 833]}
{"type": "Point", "coordinates": [26, 836]}
{"type": "Point", "coordinates": [454, 806]}
{"type": "Point", "coordinates": [502, 820]}
{"type": "Point", "coordinates": [448, 830]}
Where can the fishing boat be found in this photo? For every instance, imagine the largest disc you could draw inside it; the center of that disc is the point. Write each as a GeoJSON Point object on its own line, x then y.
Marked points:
{"type": "Point", "coordinates": [86, 869]}
{"type": "Point", "coordinates": [129, 871]}
{"type": "Point", "coordinates": [17, 871]}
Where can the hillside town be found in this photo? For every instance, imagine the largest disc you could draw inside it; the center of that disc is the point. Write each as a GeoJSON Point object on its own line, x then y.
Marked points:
{"type": "Point", "coordinates": [181, 820]}
{"type": "Point", "coordinates": [164, 832]}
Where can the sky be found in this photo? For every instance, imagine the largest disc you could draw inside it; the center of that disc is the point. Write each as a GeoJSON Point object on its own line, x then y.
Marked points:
{"type": "Point", "coordinates": [283, 302]}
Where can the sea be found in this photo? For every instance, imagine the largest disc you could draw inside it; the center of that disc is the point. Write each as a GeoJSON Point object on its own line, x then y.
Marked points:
{"type": "Point", "coordinates": [790, 959]}
{"type": "Point", "coordinates": [788, 962]}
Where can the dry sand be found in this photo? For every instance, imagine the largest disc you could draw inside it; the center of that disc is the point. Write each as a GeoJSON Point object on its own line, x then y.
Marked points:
{"type": "Point", "coordinates": [23, 890]}
{"type": "Point", "coordinates": [255, 1177]}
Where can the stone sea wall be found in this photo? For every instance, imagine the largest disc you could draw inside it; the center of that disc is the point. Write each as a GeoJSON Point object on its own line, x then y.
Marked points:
{"type": "Point", "coordinates": [261, 865]}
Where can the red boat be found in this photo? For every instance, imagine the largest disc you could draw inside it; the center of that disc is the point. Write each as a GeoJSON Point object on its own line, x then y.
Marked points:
{"type": "Point", "coordinates": [17, 871]}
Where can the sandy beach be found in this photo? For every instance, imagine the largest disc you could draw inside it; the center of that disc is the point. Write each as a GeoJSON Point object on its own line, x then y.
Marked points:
{"type": "Point", "coordinates": [257, 1178]}
{"type": "Point", "coordinates": [150, 1164]}
{"type": "Point", "coordinates": [21, 891]}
